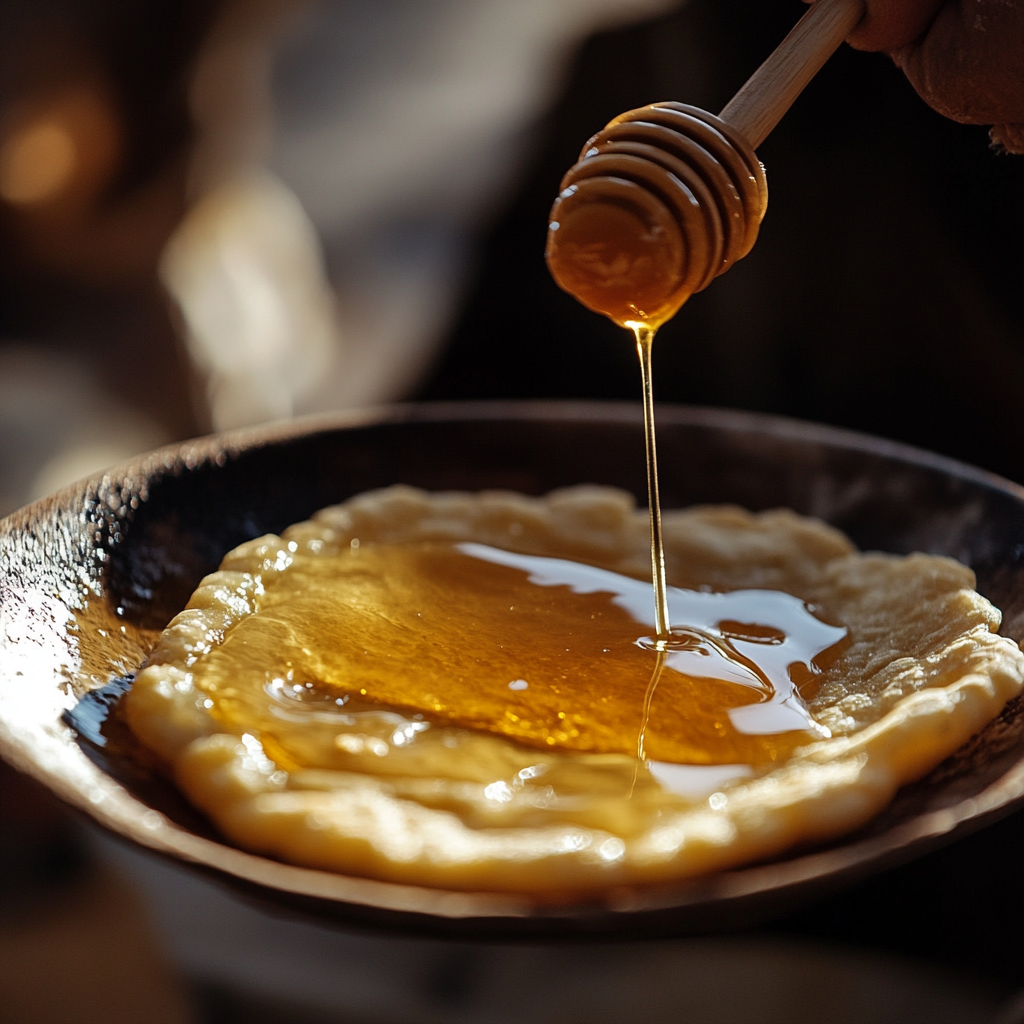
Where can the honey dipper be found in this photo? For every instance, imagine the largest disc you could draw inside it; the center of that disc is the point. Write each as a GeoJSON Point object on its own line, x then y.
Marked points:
{"type": "Point", "coordinates": [667, 197]}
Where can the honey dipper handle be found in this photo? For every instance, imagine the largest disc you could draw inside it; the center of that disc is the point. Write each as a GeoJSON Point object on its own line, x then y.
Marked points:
{"type": "Point", "coordinates": [758, 107]}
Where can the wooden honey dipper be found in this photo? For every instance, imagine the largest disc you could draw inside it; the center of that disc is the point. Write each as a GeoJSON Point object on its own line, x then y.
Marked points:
{"type": "Point", "coordinates": [667, 197]}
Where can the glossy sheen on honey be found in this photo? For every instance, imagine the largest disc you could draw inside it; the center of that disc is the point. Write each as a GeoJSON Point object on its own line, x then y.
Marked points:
{"type": "Point", "coordinates": [619, 262]}
{"type": "Point", "coordinates": [660, 202]}
{"type": "Point", "coordinates": [542, 650]}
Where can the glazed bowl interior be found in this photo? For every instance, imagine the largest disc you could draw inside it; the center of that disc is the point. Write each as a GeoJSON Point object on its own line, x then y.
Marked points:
{"type": "Point", "coordinates": [89, 576]}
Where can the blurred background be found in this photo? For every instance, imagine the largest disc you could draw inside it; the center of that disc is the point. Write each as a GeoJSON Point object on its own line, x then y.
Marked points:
{"type": "Point", "coordinates": [215, 213]}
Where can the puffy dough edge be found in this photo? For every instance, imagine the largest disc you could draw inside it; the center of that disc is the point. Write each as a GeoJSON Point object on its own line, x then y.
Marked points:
{"type": "Point", "coordinates": [828, 789]}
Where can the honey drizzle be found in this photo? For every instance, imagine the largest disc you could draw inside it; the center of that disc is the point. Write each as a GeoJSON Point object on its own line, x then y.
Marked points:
{"type": "Point", "coordinates": [355, 653]}
{"type": "Point", "coordinates": [662, 622]}
{"type": "Point", "coordinates": [660, 656]}
{"type": "Point", "coordinates": [644, 343]}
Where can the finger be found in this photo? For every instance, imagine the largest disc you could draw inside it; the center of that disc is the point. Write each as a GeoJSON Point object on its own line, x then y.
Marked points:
{"type": "Point", "coordinates": [970, 66]}
{"type": "Point", "coordinates": [890, 24]}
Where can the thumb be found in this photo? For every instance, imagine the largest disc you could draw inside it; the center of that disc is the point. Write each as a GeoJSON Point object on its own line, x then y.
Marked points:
{"type": "Point", "coordinates": [970, 66]}
{"type": "Point", "coordinates": [890, 24]}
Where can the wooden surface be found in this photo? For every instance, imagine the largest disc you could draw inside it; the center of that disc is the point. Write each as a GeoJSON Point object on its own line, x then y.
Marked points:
{"type": "Point", "coordinates": [760, 104]}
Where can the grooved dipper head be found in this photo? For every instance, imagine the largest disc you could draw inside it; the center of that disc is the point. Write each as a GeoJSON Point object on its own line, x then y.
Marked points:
{"type": "Point", "coordinates": [660, 202]}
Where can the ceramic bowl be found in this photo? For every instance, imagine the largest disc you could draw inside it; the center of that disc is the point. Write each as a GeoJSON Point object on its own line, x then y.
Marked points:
{"type": "Point", "coordinates": [90, 575]}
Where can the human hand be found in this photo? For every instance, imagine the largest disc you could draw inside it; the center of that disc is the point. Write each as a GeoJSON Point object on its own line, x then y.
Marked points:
{"type": "Point", "coordinates": [964, 57]}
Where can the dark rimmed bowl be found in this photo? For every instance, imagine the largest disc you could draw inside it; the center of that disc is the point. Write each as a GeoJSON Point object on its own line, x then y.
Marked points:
{"type": "Point", "coordinates": [90, 575]}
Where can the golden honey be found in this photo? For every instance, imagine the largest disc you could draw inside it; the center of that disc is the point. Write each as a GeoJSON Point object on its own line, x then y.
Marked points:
{"type": "Point", "coordinates": [616, 261]}
{"type": "Point", "coordinates": [545, 651]}
{"type": "Point", "coordinates": [660, 202]}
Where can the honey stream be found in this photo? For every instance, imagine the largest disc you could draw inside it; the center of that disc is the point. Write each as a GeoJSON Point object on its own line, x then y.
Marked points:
{"type": "Point", "coordinates": [644, 345]}
{"type": "Point", "coordinates": [663, 623]}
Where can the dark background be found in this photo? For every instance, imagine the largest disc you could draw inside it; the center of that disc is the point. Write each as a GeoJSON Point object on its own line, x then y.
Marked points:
{"type": "Point", "coordinates": [886, 291]}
